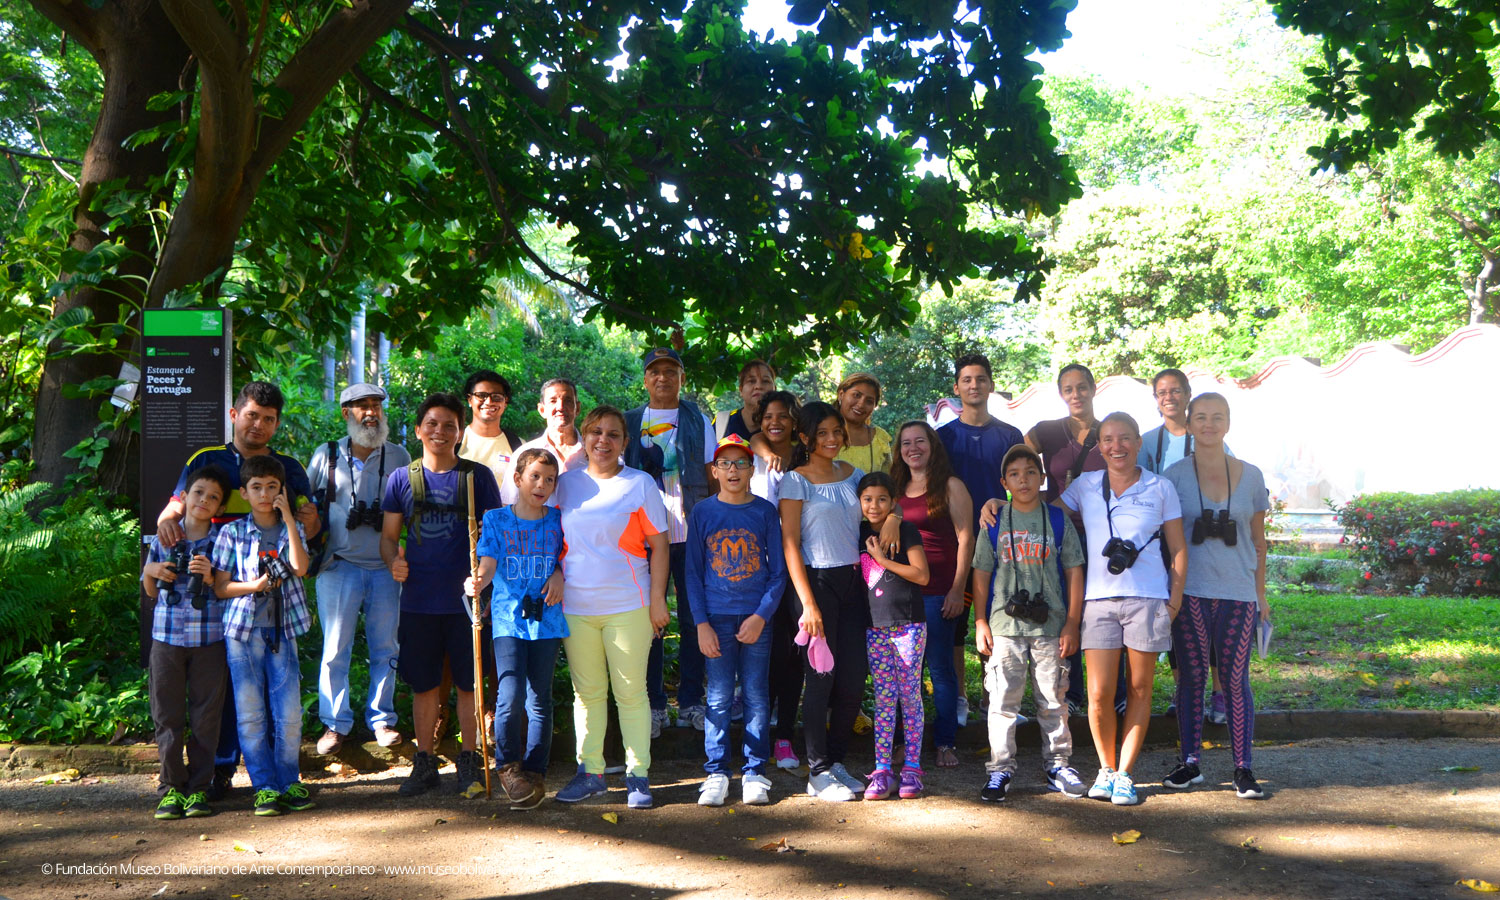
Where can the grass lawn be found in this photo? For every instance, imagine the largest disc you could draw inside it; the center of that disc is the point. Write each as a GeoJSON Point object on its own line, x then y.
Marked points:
{"type": "Point", "coordinates": [1352, 651]}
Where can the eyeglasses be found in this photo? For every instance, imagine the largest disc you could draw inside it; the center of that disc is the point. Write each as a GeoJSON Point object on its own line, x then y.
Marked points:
{"type": "Point", "coordinates": [727, 464]}
{"type": "Point", "coordinates": [495, 397]}
{"type": "Point", "coordinates": [1173, 392]}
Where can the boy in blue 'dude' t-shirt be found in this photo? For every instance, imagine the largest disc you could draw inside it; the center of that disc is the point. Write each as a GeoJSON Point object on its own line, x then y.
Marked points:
{"type": "Point", "coordinates": [1033, 552]}
{"type": "Point", "coordinates": [519, 549]}
{"type": "Point", "coordinates": [189, 674]}
{"type": "Point", "coordinates": [735, 577]}
{"type": "Point", "coordinates": [259, 562]}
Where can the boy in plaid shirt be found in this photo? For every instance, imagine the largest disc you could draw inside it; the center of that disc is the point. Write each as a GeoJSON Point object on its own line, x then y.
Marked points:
{"type": "Point", "coordinates": [262, 619]}
{"type": "Point", "coordinates": [188, 669]}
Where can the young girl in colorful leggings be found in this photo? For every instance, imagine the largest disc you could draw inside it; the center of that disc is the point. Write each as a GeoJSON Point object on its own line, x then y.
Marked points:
{"type": "Point", "coordinates": [1224, 503]}
{"type": "Point", "coordinates": [896, 638]}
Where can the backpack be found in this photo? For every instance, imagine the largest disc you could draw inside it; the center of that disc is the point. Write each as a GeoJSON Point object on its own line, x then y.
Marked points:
{"type": "Point", "coordinates": [317, 546]}
{"type": "Point", "coordinates": [419, 504]}
{"type": "Point", "coordinates": [1055, 518]}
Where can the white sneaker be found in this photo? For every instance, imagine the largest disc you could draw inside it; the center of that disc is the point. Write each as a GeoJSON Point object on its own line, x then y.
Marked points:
{"type": "Point", "coordinates": [715, 788]}
{"type": "Point", "coordinates": [692, 717]}
{"type": "Point", "coordinates": [843, 777]}
{"type": "Point", "coordinates": [1104, 785]}
{"type": "Point", "coordinates": [658, 722]}
{"type": "Point", "coordinates": [825, 787]}
{"type": "Point", "coordinates": [755, 789]}
{"type": "Point", "coordinates": [963, 711]}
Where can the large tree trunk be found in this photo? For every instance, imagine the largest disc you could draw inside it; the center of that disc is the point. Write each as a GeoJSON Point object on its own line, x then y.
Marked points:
{"type": "Point", "coordinates": [140, 55]}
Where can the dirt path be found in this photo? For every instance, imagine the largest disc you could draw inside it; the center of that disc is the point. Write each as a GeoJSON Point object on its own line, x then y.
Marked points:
{"type": "Point", "coordinates": [1355, 819]}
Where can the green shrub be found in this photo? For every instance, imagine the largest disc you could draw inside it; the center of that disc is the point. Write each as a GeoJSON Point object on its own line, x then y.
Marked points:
{"type": "Point", "coordinates": [1427, 542]}
{"type": "Point", "coordinates": [63, 694]}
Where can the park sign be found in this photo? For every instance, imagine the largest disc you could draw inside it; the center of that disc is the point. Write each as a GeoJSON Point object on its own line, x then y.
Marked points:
{"type": "Point", "coordinates": [184, 394]}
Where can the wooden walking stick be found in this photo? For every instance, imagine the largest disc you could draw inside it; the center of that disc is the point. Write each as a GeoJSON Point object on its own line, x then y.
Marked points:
{"type": "Point", "coordinates": [484, 749]}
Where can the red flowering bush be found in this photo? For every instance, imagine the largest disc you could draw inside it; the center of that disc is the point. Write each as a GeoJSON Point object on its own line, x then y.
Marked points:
{"type": "Point", "coordinates": [1447, 543]}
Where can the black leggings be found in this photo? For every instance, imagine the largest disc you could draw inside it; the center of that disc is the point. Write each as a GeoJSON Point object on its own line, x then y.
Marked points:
{"type": "Point", "coordinates": [830, 703]}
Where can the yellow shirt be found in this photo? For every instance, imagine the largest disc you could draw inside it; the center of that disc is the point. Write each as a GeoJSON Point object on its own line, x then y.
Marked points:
{"type": "Point", "coordinates": [493, 452]}
{"type": "Point", "coordinates": [872, 457]}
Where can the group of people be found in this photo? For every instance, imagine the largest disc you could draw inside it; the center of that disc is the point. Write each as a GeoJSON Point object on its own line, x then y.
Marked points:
{"type": "Point", "coordinates": [811, 553]}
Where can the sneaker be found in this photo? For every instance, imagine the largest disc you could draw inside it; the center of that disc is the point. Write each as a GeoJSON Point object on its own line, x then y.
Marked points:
{"type": "Point", "coordinates": [1218, 713]}
{"type": "Point", "coordinates": [1065, 780]}
{"type": "Point", "coordinates": [882, 784]}
{"type": "Point", "coordinates": [1124, 790]}
{"type": "Point", "coordinates": [171, 805]}
{"type": "Point", "coordinates": [538, 791]}
{"type": "Point", "coordinates": [911, 783]}
{"type": "Point", "coordinates": [1104, 784]}
{"type": "Point", "coordinates": [296, 798]}
{"type": "Point", "coordinates": [1022, 719]}
{"type": "Point", "coordinates": [1246, 787]}
{"type": "Point", "coordinates": [1075, 708]}
{"type": "Point", "coordinates": [786, 758]}
{"type": "Point", "coordinates": [330, 743]}
{"type": "Point", "coordinates": [513, 782]}
{"type": "Point", "coordinates": [658, 722]}
{"type": "Point", "coordinates": [470, 770]}
{"type": "Point", "coordinates": [755, 789]}
{"type": "Point", "coordinates": [582, 787]}
{"type": "Point", "coordinates": [222, 784]}
{"type": "Point", "coordinates": [424, 775]}
{"type": "Point", "coordinates": [994, 789]}
{"type": "Point", "coordinates": [267, 803]}
{"type": "Point", "coordinates": [386, 736]}
{"type": "Point", "coordinates": [1172, 708]}
{"type": "Point", "coordinates": [825, 787]}
{"type": "Point", "coordinates": [637, 792]}
{"type": "Point", "coordinates": [842, 776]}
{"type": "Point", "coordinates": [196, 806]}
{"type": "Point", "coordinates": [963, 711]}
{"type": "Point", "coordinates": [692, 717]}
{"type": "Point", "coordinates": [714, 790]}
{"type": "Point", "coordinates": [1184, 776]}
{"type": "Point", "coordinates": [1120, 707]}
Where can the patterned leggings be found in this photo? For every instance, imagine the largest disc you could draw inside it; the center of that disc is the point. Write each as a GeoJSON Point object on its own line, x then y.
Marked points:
{"type": "Point", "coordinates": [896, 654]}
{"type": "Point", "coordinates": [1228, 626]}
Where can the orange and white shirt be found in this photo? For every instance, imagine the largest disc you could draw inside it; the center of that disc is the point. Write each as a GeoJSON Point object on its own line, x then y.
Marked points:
{"type": "Point", "coordinates": [606, 522]}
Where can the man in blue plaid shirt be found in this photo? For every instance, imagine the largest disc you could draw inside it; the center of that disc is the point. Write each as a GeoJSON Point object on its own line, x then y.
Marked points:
{"type": "Point", "coordinates": [262, 620]}
{"type": "Point", "coordinates": [189, 674]}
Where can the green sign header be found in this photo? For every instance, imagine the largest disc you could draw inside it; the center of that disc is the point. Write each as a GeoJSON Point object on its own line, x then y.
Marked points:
{"type": "Point", "coordinates": [183, 323]}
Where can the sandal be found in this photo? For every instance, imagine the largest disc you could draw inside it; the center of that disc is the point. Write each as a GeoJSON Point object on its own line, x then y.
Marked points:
{"type": "Point", "coordinates": [947, 757]}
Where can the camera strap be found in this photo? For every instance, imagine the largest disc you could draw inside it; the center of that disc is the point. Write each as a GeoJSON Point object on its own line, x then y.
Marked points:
{"type": "Point", "coordinates": [1161, 436]}
{"type": "Point", "coordinates": [1109, 510]}
{"type": "Point", "coordinates": [1228, 486]}
{"type": "Point", "coordinates": [1090, 441]}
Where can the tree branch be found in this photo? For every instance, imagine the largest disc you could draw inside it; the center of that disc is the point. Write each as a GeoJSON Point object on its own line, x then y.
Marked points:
{"type": "Point", "coordinates": [13, 151]}
{"type": "Point", "coordinates": [77, 20]}
{"type": "Point", "coordinates": [226, 101]}
{"type": "Point", "coordinates": [1474, 232]}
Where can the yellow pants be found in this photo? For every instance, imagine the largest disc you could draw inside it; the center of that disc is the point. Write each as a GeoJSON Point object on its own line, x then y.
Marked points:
{"type": "Point", "coordinates": [609, 653]}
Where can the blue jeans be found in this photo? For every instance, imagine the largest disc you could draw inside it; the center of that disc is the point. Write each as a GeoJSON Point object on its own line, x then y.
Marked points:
{"type": "Point", "coordinates": [260, 676]}
{"type": "Point", "coordinates": [523, 701]}
{"type": "Point", "coordinates": [689, 657]}
{"type": "Point", "coordinates": [343, 589]}
{"type": "Point", "coordinates": [940, 665]}
{"type": "Point", "coordinates": [752, 663]}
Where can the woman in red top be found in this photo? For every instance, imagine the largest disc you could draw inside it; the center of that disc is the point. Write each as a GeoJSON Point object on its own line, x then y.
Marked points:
{"type": "Point", "coordinates": [938, 504]}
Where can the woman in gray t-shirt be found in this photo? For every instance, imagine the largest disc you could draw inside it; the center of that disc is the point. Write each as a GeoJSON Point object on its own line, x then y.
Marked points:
{"type": "Point", "coordinates": [1224, 503]}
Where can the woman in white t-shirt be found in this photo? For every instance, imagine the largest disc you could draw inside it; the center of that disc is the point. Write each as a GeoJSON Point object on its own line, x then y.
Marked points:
{"type": "Point", "coordinates": [615, 602]}
{"type": "Point", "coordinates": [1129, 597]}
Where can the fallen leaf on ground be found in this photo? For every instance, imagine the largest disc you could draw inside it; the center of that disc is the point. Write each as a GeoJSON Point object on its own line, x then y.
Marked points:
{"type": "Point", "coordinates": [1483, 887]}
{"type": "Point", "coordinates": [1460, 768]}
{"type": "Point", "coordinates": [1439, 677]}
{"type": "Point", "coordinates": [1127, 837]}
{"type": "Point", "coordinates": [1048, 840]}
{"type": "Point", "coordinates": [611, 818]}
{"type": "Point", "coordinates": [441, 822]}
{"type": "Point", "coordinates": [780, 846]}
{"type": "Point", "coordinates": [473, 790]}
{"type": "Point", "coordinates": [241, 847]}
{"type": "Point", "coordinates": [161, 890]}
{"type": "Point", "coordinates": [1249, 845]}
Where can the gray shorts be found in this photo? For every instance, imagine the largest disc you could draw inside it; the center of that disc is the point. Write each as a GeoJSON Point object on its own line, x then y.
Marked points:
{"type": "Point", "coordinates": [1139, 623]}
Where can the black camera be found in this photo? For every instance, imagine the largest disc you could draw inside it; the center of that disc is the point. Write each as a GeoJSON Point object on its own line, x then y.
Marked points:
{"type": "Point", "coordinates": [1121, 554]}
{"type": "Point", "coordinates": [1023, 605]}
{"type": "Point", "coordinates": [1221, 527]}
{"type": "Point", "coordinates": [532, 608]}
{"type": "Point", "coordinates": [273, 565]}
{"type": "Point", "coordinates": [181, 556]}
{"type": "Point", "coordinates": [363, 513]}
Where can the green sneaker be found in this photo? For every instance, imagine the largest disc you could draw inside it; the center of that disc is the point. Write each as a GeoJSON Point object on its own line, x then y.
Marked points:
{"type": "Point", "coordinates": [296, 798]}
{"type": "Point", "coordinates": [171, 805]}
{"type": "Point", "coordinates": [267, 802]}
{"type": "Point", "coordinates": [197, 805]}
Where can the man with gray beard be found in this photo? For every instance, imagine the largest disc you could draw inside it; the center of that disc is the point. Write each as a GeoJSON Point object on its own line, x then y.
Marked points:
{"type": "Point", "coordinates": [353, 576]}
